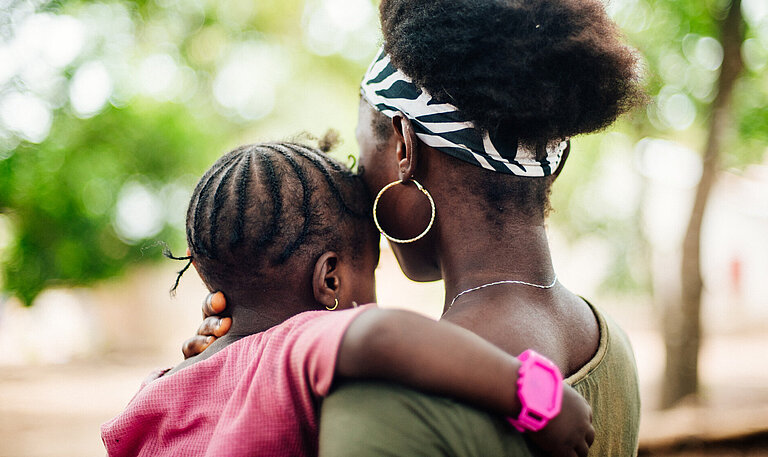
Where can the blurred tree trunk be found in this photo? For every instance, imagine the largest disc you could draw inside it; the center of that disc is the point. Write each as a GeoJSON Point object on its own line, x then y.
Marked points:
{"type": "Point", "coordinates": [682, 323]}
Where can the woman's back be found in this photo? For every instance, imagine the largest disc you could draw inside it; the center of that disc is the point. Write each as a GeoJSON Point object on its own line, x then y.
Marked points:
{"type": "Point", "coordinates": [555, 322]}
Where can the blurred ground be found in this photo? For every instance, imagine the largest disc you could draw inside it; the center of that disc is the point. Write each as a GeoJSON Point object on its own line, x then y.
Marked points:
{"type": "Point", "coordinates": [54, 409]}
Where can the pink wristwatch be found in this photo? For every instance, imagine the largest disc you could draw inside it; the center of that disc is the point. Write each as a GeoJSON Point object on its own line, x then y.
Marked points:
{"type": "Point", "coordinates": [540, 389]}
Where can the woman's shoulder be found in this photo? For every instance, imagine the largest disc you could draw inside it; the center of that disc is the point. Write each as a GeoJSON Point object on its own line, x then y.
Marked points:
{"type": "Point", "coordinates": [614, 353]}
{"type": "Point", "coordinates": [609, 383]}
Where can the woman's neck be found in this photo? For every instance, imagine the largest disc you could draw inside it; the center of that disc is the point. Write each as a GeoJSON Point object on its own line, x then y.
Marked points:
{"type": "Point", "coordinates": [487, 254]}
{"type": "Point", "coordinates": [478, 241]}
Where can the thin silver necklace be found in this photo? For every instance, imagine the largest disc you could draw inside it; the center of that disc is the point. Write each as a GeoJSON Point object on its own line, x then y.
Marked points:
{"type": "Point", "coordinates": [496, 283]}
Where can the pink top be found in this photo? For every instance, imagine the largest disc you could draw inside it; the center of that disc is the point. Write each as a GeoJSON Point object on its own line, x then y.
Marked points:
{"type": "Point", "coordinates": [257, 394]}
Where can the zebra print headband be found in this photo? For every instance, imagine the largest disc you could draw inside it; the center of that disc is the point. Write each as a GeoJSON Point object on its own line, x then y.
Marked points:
{"type": "Point", "coordinates": [443, 127]}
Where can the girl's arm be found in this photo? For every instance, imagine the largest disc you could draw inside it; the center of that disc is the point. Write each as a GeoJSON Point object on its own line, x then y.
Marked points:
{"type": "Point", "coordinates": [438, 357]}
{"type": "Point", "coordinates": [443, 358]}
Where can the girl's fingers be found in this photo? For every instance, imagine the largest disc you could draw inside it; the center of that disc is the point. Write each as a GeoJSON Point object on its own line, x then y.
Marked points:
{"type": "Point", "coordinates": [214, 304]}
{"type": "Point", "coordinates": [223, 327]}
{"type": "Point", "coordinates": [211, 326]}
{"type": "Point", "coordinates": [196, 345]}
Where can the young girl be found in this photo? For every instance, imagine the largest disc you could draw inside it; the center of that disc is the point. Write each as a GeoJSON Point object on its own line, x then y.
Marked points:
{"type": "Point", "coordinates": [282, 230]}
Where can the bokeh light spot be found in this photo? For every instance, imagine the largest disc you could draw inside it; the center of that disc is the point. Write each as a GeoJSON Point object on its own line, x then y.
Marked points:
{"type": "Point", "coordinates": [676, 108]}
{"type": "Point", "coordinates": [247, 82]}
{"type": "Point", "coordinates": [343, 27]}
{"type": "Point", "coordinates": [65, 40]}
{"type": "Point", "coordinates": [139, 213]}
{"type": "Point", "coordinates": [754, 11]}
{"type": "Point", "coordinates": [90, 89]}
{"type": "Point", "coordinates": [158, 76]}
{"type": "Point", "coordinates": [754, 54]}
{"type": "Point", "coordinates": [6, 233]}
{"type": "Point", "coordinates": [26, 115]}
{"type": "Point", "coordinates": [709, 53]}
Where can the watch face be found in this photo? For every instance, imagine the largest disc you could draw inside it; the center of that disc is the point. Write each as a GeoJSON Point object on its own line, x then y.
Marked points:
{"type": "Point", "coordinates": [540, 389]}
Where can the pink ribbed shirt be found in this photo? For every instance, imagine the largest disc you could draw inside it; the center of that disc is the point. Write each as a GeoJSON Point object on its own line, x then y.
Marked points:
{"type": "Point", "coordinates": [257, 396]}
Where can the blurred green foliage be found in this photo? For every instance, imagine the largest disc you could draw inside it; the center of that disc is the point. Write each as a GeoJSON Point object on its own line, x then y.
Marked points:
{"type": "Point", "coordinates": [87, 184]}
{"type": "Point", "coordinates": [182, 81]}
{"type": "Point", "coordinates": [60, 195]}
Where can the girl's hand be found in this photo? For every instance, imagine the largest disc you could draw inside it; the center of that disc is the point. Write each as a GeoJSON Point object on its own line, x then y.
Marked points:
{"type": "Point", "coordinates": [570, 432]}
{"type": "Point", "coordinates": [213, 326]}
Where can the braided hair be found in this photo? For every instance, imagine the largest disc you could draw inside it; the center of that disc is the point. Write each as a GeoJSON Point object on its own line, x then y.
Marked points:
{"type": "Point", "coordinates": [263, 209]}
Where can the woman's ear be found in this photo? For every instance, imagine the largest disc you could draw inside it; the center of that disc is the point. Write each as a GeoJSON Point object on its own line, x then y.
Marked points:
{"type": "Point", "coordinates": [326, 279]}
{"type": "Point", "coordinates": [407, 146]}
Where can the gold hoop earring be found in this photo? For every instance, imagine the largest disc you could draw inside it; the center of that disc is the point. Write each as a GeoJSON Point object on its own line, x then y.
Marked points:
{"type": "Point", "coordinates": [335, 304]}
{"type": "Point", "coordinates": [376, 219]}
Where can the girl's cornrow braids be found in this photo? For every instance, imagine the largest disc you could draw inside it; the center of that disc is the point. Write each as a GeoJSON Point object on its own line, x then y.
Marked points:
{"type": "Point", "coordinates": [274, 185]}
{"type": "Point", "coordinates": [242, 191]}
{"type": "Point", "coordinates": [306, 210]}
{"type": "Point", "coordinates": [220, 195]}
{"type": "Point", "coordinates": [201, 195]}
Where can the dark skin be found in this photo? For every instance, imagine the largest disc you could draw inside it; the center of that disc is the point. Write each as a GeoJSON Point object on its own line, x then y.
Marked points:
{"type": "Point", "coordinates": [510, 245]}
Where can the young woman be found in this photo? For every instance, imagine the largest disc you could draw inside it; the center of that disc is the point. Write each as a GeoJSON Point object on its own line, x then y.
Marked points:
{"type": "Point", "coordinates": [279, 228]}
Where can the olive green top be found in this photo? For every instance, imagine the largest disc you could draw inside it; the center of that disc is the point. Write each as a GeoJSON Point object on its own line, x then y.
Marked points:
{"type": "Point", "coordinates": [377, 419]}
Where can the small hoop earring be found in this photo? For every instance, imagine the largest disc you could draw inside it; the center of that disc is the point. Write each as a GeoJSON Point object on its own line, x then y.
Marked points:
{"type": "Point", "coordinates": [335, 304]}
{"type": "Point", "coordinates": [398, 240]}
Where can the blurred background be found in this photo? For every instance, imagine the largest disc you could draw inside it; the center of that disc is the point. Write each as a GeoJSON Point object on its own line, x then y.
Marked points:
{"type": "Point", "coordinates": [111, 110]}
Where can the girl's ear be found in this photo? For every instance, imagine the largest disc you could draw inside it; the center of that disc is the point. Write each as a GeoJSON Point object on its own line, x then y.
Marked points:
{"type": "Point", "coordinates": [326, 279]}
{"type": "Point", "coordinates": [407, 146]}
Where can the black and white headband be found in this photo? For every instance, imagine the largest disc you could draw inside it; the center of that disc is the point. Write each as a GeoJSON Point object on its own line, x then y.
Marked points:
{"type": "Point", "coordinates": [443, 127]}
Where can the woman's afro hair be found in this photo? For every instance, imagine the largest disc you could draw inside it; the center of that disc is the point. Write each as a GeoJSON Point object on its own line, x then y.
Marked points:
{"type": "Point", "coordinates": [543, 69]}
